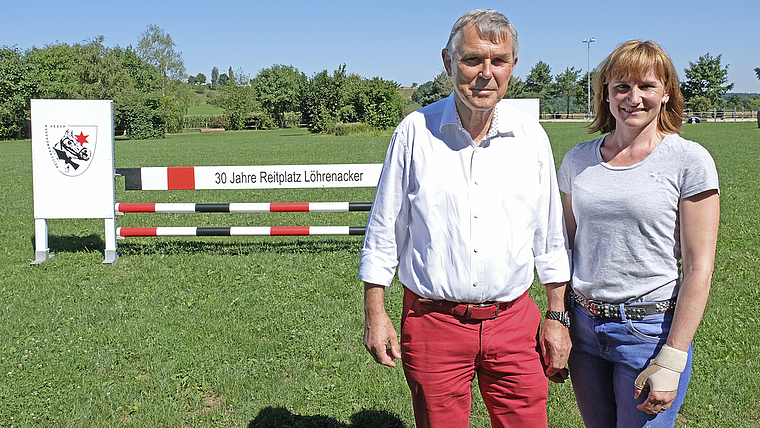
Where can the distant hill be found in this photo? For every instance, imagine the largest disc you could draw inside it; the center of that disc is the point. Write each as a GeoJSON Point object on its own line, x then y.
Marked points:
{"type": "Point", "coordinates": [407, 92]}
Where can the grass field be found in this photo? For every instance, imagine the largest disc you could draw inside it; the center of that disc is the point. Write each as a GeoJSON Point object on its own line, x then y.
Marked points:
{"type": "Point", "coordinates": [266, 332]}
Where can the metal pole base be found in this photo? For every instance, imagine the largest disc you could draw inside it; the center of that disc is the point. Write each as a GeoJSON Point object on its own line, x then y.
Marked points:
{"type": "Point", "coordinates": [41, 256]}
{"type": "Point", "coordinates": [111, 256]}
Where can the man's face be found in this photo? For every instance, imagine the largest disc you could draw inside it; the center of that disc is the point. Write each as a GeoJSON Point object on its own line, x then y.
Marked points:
{"type": "Point", "coordinates": [480, 70]}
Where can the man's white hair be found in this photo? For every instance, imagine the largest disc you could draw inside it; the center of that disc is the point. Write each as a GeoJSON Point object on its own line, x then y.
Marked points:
{"type": "Point", "coordinates": [491, 25]}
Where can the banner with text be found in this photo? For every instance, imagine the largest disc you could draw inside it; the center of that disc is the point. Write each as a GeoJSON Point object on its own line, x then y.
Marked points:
{"type": "Point", "coordinates": [259, 177]}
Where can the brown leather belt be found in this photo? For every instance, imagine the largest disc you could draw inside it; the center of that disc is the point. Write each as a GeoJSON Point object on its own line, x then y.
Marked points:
{"type": "Point", "coordinates": [468, 311]}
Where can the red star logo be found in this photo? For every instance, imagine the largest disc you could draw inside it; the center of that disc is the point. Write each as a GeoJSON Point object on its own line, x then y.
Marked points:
{"type": "Point", "coordinates": [81, 138]}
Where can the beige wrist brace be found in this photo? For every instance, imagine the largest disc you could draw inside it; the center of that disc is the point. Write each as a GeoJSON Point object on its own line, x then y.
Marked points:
{"type": "Point", "coordinates": [664, 371]}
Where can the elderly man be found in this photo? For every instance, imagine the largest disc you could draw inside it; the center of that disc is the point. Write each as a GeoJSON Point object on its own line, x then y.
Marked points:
{"type": "Point", "coordinates": [466, 206]}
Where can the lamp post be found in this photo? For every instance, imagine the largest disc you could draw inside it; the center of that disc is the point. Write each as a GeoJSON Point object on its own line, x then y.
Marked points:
{"type": "Point", "coordinates": [588, 74]}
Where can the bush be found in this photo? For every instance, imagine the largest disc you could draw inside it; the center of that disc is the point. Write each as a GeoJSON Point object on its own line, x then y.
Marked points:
{"type": "Point", "coordinates": [355, 129]}
{"type": "Point", "coordinates": [198, 120]}
{"type": "Point", "coordinates": [291, 119]}
{"type": "Point", "coordinates": [379, 103]}
{"type": "Point", "coordinates": [219, 122]}
{"type": "Point", "coordinates": [260, 120]}
{"type": "Point", "coordinates": [142, 121]}
{"type": "Point", "coordinates": [173, 119]}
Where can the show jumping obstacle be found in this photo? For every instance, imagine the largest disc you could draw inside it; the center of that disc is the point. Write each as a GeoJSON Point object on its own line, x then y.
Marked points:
{"type": "Point", "coordinates": [305, 207]}
{"type": "Point", "coordinates": [74, 177]}
{"type": "Point", "coordinates": [178, 178]}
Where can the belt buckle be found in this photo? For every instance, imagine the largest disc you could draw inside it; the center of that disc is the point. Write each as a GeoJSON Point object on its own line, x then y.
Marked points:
{"type": "Point", "coordinates": [594, 308]}
{"type": "Point", "coordinates": [482, 305]}
{"type": "Point", "coordinates": [470, 306]}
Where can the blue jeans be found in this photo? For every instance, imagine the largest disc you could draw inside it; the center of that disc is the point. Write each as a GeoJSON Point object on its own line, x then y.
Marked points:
{"type": "Point", "coordinates": [607, 356]}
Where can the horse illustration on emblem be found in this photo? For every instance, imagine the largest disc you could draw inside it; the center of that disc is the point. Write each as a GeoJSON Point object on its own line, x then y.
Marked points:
{"type": "Point", "coordinates": [72, 153]}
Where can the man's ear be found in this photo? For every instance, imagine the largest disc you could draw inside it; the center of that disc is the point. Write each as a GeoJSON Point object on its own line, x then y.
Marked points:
{"type": "Point", "coordinates": [446, 61]}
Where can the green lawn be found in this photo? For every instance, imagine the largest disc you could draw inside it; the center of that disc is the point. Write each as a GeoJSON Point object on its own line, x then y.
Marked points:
{"type": "Point", "coordinates": [266, 331]}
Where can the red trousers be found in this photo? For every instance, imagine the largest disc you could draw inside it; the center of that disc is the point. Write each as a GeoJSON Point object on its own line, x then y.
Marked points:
{"type": "Point", "coordinates": [441, 355]}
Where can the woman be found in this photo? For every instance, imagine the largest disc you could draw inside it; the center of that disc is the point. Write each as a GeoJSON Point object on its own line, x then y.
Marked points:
{"type": "Point", "coordinates": [642, 209]}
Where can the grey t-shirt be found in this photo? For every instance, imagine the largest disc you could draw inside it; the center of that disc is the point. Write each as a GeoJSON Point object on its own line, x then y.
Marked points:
{"type": "Point", "coordinates": [627, 243]}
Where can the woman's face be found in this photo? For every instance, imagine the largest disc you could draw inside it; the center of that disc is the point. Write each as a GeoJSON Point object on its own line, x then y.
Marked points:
{"type": "Point", "coordinates": [636, 103]}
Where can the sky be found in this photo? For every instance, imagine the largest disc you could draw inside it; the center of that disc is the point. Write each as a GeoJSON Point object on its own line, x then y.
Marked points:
{"type": "Point", "coordinates": [394, 40]}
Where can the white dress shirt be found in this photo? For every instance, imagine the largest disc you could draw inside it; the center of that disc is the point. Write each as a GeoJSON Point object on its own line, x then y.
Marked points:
{"type": "Point", "coordinates": [467, 221]}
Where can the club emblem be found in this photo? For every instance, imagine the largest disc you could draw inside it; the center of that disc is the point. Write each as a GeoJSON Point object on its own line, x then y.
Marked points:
{"type": "Point", "coordinates": [71, 148]}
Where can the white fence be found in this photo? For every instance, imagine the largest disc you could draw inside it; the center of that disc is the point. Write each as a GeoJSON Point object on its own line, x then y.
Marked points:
{"type": "Point", "coordinates": [735, 115]}
{"type": "Point", "coordinates": [723, 115]}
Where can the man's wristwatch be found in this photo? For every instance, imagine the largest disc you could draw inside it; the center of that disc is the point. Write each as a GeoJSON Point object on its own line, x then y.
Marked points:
{"type": "Point", "coordinates": [563, 317]}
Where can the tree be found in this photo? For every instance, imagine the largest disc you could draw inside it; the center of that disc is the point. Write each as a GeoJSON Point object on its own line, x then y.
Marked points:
{"type": "Point", "coordinates": [200, 79]}
{"type": "Point", "coordinates": [231, 75]}
{"type": "Point", "coordinates": [238, 103]}
{"type": "Point", "coordinates": [100, 74]}
{"type": "Point", "coordinates": [753, 103]}
{"type": "Point", "coordinates": [379, 103]}
{"type": "Point", "coordinates": [582, 93]}
{"type": "Point", "coordinates": [323, 98]}
{"type": "Point", "coordinates": [278, 89]}
{"type": "Point", "coordinates": [516, 88]}
{"type": "Point", "coordinates": [87, 70]}
{"type": "Point", "coordinates": [328, 101]}
{"type": "Point", "coordinates": [705, 78]}
{"type": "Point", "coordinates": [145, 78]}
{"type": "Point", "coordinates": [700, 103]}
{"type": "Point", "coordinates": [538, 84]}
{"type": "Point", "coordinates": [425, 94]}
{"type": "Point", "coordinates": [156, 47]}
{"type": "Point", "coordinates": [16, 89]}
{"type": "Point", "coordinates": [539, 79]}
{"type": "Point", "coordinates": [176, 103]}
{"type": "Point", "coordinates": [757, 72]}
{"type": "Point", "coordinates": [52, 68]}
{"type": "Point", "coordinates": [566, 84]}
{"type": "Point", "coordinates": [214, 76]}
{"type": "Point", "coordinates": [434, 90]}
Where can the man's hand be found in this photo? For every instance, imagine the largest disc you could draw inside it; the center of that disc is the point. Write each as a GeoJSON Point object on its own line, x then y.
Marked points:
{"type": "Point", "coordinates": [555, 348]}
{"type": "Point", "coordinates": [555, 337]}
{"type": "Point", "coordinates": [380, 337]}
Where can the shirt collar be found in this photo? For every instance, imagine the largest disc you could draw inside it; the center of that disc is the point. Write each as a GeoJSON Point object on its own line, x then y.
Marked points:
{"type": "Point", "coordinates": [500, 124]}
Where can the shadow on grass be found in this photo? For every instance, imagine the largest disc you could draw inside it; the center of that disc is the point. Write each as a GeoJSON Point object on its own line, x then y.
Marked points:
{"type": "Point", "coordinates": [278, 417]}
{"type": "Point", "coordinates": [295, 246]}
{"type": "Point", "coordinates": [74, 243]}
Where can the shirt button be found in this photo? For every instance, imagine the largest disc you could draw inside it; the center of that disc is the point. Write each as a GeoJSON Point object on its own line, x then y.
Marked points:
{"type": "Point", "coordinates": [475, 250]}
{"type": "Point", "coordinates": [475, 284]}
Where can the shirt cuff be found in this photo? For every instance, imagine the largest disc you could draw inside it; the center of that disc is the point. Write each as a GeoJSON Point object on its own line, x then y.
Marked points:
{"type": "Point", "coordinates": [376, 271]}
{"type": "Point", "coordinates": [553, 267]}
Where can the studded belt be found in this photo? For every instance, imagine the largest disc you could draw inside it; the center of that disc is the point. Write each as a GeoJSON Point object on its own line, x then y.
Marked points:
{"type": "Point", "coordinates": [635, 311]}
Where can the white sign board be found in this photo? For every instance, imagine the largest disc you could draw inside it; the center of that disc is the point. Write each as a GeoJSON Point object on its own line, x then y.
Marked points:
{"type": "Point", "coordinates": [72, 161]}
{"type": "Point", "coordinates": [531, 106]}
